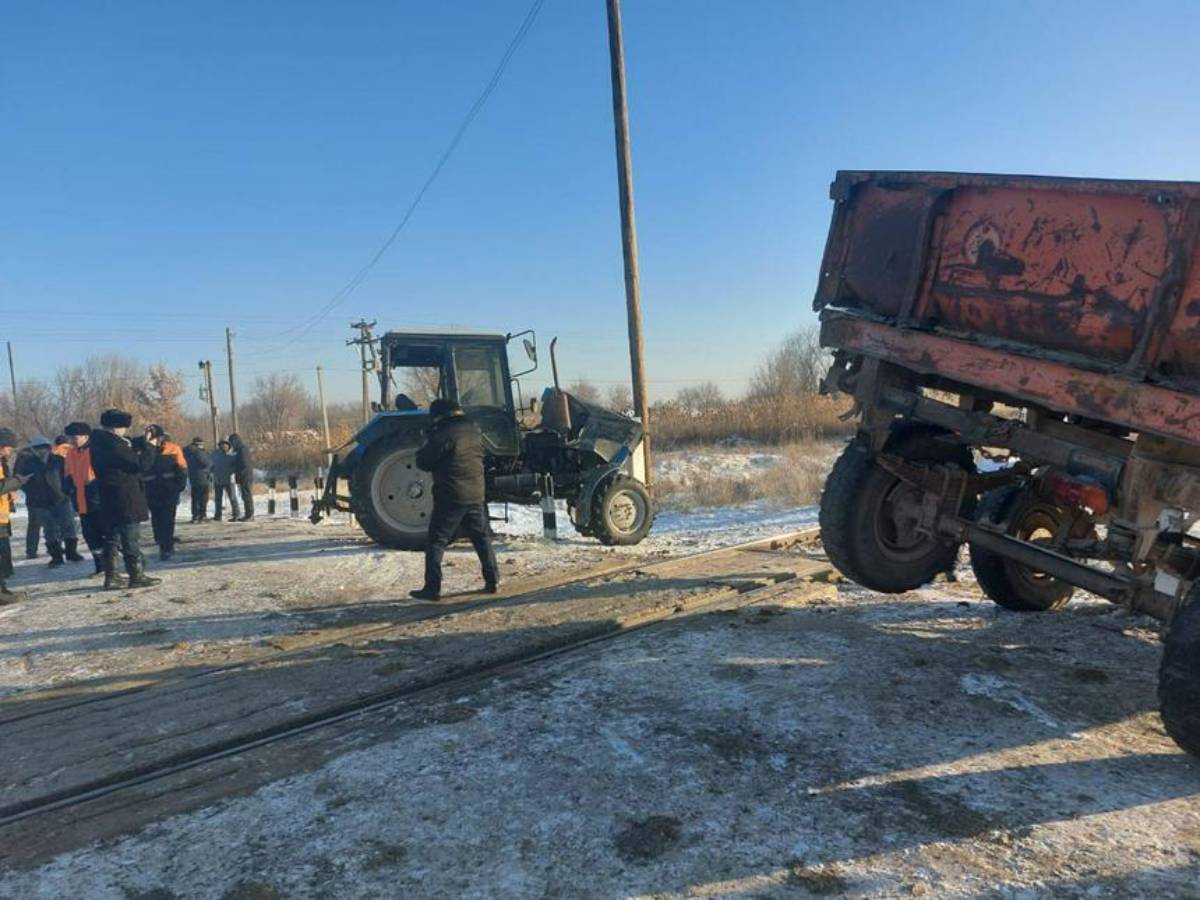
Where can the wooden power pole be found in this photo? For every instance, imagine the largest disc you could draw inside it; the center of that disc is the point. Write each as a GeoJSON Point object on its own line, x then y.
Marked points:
{"type": "Point", "coordinates": [324, 416]}
{"type": "Point", "coordinates": [232, 381]}
{"type": "Point", "coordinates": [366, 343]}
{"type": "Point", "coordinates": [208, 395]}
{"type": "Point", "coordinates": [12, 377]}
{"type": "Point", "coordinates": [633, 290]}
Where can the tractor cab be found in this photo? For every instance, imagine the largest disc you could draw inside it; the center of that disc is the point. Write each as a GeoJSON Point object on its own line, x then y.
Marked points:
{"type": "Point", "coordinates": [469, 369]}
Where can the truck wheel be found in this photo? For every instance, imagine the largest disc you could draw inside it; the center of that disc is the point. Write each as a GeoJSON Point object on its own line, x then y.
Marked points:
{"type": "Point", "coordinates": [392, 498]}
{"type": "Point", "coordinates": [1179, 677]}
{"type": "Point", "coordinates": [868, 516]}
{"type": "Point", "coordinates": [623, 512]}
{"type": "Point", "coordinates": [1008, 583]}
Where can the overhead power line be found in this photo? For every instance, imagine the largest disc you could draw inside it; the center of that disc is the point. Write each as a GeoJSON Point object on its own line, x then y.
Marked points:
{"type": "Point", "coordinates": [480, 101]}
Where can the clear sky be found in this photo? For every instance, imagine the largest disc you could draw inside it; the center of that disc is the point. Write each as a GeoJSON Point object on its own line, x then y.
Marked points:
{"type": "Point", "coordinates": [168, 168]}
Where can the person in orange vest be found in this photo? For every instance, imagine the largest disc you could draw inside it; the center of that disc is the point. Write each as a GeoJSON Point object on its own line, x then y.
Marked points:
{"type": "Point", "coordinates": [8, 484]}
{"type": "Point", "coordinates": [164, 482]}
{"type": "Point", "coordinates": [84, 490]}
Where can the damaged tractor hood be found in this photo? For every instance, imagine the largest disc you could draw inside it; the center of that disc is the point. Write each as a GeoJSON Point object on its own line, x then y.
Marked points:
{"type": "Point", "coordinates": [597, 429]}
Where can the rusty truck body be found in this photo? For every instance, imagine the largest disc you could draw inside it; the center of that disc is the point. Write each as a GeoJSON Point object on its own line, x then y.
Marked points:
{"type": "Point", "coordinates": [1050, 328]}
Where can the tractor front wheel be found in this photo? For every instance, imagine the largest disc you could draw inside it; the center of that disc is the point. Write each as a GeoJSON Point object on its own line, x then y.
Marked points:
{"type": "Point", "coordinates": [622, 513]}
{"type": "Point", "coordinates": [392, 498]}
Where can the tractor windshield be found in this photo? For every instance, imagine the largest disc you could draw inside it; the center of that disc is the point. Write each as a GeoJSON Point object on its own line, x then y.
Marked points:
{"type": "Point", "coordinates": [480, 377]}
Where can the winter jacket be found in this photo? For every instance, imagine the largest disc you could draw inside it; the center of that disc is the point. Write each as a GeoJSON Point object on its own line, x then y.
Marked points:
{"type": "Point", "coordinates": [44, 490]}
{"type": "Point", "coordinates": [167, 474]}
{"type": "Point", "coordinates": [243, 466]}
{"type": "Point", "coordinates": [221, 467]}
{"type": "Point", "coordinates": [199, 464]}
{"type": "Point", "coordinates": [80, 480]}
{"type": "Point", "coordinates": [8, 485]}
{"type": "Point", "coordinates": [119, 466]}
{"type": "Point", "coordinates": [453, 452]}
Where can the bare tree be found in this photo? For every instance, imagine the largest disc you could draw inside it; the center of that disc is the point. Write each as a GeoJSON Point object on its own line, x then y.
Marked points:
{"type": "Point", "coordinates": [584, 390]}
{"type": "Point", "coordinates": [278, 403]}
{"type": "Point", "coordinates": [795, 367]}
{"type": "Point", "coordinates": [619, 398]}
{"type": "Point", "coordinates": [701, 398]}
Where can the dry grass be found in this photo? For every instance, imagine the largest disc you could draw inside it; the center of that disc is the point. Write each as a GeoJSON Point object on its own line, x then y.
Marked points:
{"type": "Point", "coordinates": [796, 480]}
{"type": "Point", "coordinates": [804, 417]}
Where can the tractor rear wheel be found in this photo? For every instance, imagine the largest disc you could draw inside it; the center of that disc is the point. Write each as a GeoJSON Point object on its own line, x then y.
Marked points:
{"type": "Point", "coordinates": [868, 516]}
{"type": "Point", "coordinates": [622, 512]}
{"type": "Point", "coordinates": [392, 498]}
{"type": "Point", "coordinates": [1008, 583]}
{"type": "Point", "coordinates": [1179, 677]}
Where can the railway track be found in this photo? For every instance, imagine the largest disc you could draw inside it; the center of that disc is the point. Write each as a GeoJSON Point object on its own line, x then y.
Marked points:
{"type": "Point", "coordinates": [722, 586]}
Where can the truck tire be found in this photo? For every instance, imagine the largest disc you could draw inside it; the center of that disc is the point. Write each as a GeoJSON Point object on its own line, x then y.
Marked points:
{"type": "Point", "coordinates": [861, 527]}
{"type": "Point", "coordinates": [622, 512]}
{"type": "Point", "coordinates": [1008, 583]}
{"type": "Point", "coordinates": [1179, 676]}
{"type": "Point", "coordinates": [392, 498]}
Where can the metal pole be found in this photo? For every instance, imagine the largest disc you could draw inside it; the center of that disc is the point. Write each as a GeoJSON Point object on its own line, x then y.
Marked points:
{"type": "Point", "coordinates": [633, 293]}
{"type": "Point", "coordinates": [232, 381]}
{"type": "Point", "coordinates": [324, 416]}
{"type": "Point", "coordinates": [366, 385]}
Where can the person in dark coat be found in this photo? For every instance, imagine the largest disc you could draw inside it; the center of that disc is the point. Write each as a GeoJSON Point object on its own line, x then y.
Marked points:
{"type": "Point", "coordinates": [119, 465]}
{"type": "Point", "coordinates": [83, 490]}
{"type": "Point", "coordinates": [243, 474]}
{"type": "Point", "coordinates": [33, 522]}
{"type": "Point", "coordinates": [9, 483]}
{"type": "Point", "coordinates": [165, 479]}
{"type": "Point", "coordinates": [453, 453]}
{"type": "Point", "coordinates": [222, 476]}
{"type": "Point", "coordinates": [44, 493]}
{"type": "Point", "coordinates": [199, 465]}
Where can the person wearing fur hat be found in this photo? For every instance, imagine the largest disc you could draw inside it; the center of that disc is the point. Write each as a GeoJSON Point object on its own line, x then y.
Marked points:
{"type": "Point", "coordinates": [44, 493]}
{"type": "Point", "coordinates": [83, 489]}
{"type": "Point", "coordinates": [9, 483]}
{"type": "Point", "coordinates": [165, 481]}
{"type": "Point", "coordinates": [119, 466]}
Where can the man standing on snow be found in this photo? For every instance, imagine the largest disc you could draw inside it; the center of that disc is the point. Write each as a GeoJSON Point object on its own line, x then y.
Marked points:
{"type": "Point", "coordinates": [44, 494]}
{"type": "Point", "coordinates": [165, 481]}
{"type": "Point", "coordinates": [453, 452]}
{"type": "Point", "coordinates": [8, 484]}
{"type": "Point", "coordinates": [222, 475]}
{"type": "Point", "coordinates": [83, 489]}
{"type": "Point", "coordinates": [243, 474]}
{"type": "Point", "coordinates": [119, 467]}
{"type": "Point", "coordinates": [198, 468]}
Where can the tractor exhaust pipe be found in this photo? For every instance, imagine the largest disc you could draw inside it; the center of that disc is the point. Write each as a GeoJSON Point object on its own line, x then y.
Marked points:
{"type": "Point", "coordinates": [562, 410]}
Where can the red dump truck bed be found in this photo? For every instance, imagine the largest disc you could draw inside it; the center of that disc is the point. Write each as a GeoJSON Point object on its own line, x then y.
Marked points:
{"type": "Point", "coordinates": [1081, 295]}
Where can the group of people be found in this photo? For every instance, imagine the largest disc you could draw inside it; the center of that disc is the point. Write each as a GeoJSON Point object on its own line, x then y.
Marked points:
{"type": "Point", "coordinates": [113, 483]}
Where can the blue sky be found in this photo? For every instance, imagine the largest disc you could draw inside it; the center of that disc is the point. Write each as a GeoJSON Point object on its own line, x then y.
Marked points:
{"type": "Point", "coordinates": [168, 169]}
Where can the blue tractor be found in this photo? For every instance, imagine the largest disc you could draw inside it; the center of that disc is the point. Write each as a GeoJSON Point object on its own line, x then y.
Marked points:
{"type": "Point", "coordinates": [558, 447]}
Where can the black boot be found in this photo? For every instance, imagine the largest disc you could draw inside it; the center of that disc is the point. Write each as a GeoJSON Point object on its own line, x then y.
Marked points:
{"type": "Point", "coordinates": [73, 551]}
{"type": "Point", "coordinates": [98, 559]}
{"type": "Point", "coordinates": [138, 577]}
{"type": "Point", "coordinates": [56, 554]}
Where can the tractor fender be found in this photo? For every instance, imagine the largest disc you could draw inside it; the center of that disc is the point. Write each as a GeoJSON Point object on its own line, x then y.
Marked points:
{"type": "Point", "coordinates": [587, 490]}
{"type": "Point", "coordinates": [382, 425]}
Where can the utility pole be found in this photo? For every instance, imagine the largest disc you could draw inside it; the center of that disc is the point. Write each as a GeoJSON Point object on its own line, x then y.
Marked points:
{"type": "Point", "coordinates": [206, 393]}
{"type": "Point", "coordinates": [633, 291]}
{"type": "Point", "coordinates": [366, 343]}
{"type": "Point", "coordinates": [12, 376]}
{"type": "Point", "coordinates": [232, 381]}
{"type": "Point", "coordinates": [324, 416]}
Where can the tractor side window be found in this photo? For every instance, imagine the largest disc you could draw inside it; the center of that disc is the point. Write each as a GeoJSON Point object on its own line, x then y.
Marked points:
{"type": "Point", "coordinates": [480, 377]}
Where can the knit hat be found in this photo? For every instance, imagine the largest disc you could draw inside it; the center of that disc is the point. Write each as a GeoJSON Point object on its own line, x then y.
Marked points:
{"type": "Point", "coordinates": [197, 440]}
{"type": "Point", "coordinates": [8, 438]}
{"type": "Point", "coordinates": [75, 429]}
{"type": "Point", "coordinates": [39, 440]}
{"type": "Point", "coordinates": [116, 418]}
{"type": "Point", "coordinates": [155, 431]}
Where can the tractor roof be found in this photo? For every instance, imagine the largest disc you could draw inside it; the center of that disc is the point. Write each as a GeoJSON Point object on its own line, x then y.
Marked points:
{"type": "Point", "coordinates": [402, 336]}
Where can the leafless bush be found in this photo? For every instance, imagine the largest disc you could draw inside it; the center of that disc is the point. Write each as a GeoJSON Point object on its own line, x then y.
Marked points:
{"type": "Point", "coordinates": [700, 399]}
{"type": "Point", "coordinates": [760, 421]}
{"type": "Point", "coordinates": [795, 367]}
